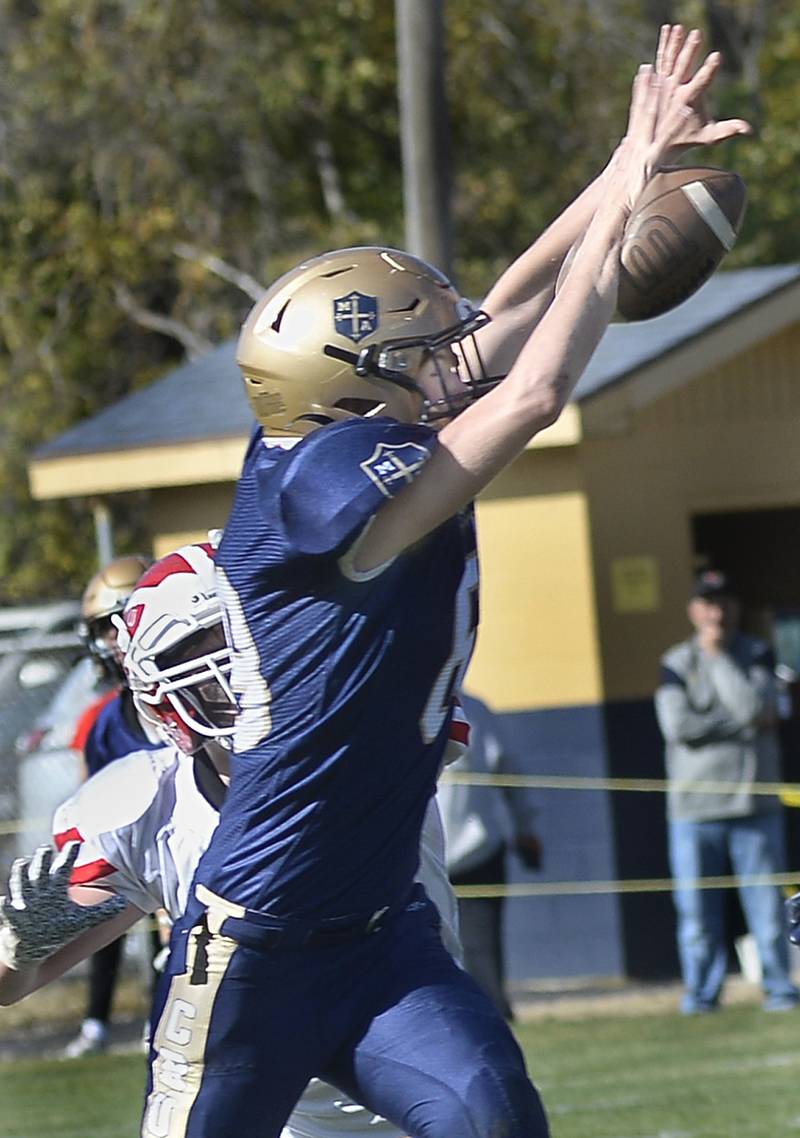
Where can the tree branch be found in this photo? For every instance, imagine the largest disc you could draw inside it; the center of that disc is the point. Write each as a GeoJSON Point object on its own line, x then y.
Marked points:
{"type": "Point", "coordinates": [330, 183]}
{"type": "Point", "coordinates": [194, 345]}
{"type": "Point", "coordinates": [248, 285]}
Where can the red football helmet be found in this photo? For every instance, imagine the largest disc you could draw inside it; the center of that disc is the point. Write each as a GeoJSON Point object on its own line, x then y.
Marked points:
{"type": "Point", "coordinates": [176, 659]}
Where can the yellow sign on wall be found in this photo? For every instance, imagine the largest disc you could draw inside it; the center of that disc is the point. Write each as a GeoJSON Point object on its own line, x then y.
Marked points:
{"type": "Point", "coordinates": [635, 584]}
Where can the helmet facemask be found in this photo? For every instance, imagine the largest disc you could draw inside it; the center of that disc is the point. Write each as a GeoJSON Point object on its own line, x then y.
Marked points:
{"type": "Point", "coordinates": [103, 598]}
{"type": "Point", "coordinates": [453, 355]}
{"type": "Point", "coordinates": [185, 693]}
{"type": "Point", "coordinates": [176, 659]}
{"type": "Point", "coordinates": [100, 637]}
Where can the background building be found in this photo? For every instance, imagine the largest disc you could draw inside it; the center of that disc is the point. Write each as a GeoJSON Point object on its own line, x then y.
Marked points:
{"type": "Point", "coordinates": [682, 444]}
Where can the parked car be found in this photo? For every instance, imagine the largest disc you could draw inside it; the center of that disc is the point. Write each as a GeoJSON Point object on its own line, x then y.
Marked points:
{"type": "Point", "coordinates": [48, 769]}
{"type": "Point", "coordinates": [39, 646]}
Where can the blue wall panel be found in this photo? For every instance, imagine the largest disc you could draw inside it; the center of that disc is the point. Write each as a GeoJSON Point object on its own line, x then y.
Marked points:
{"type": "Point", "coordinates": [592, 835]}
{"type": "Point", "coordinates": [563, 936]}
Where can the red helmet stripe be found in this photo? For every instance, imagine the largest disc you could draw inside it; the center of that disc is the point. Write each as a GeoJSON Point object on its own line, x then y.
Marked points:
{"type": "Point", "coordinates": [132, 617]}
{"type": "Point", "coordinates": [172, 563]}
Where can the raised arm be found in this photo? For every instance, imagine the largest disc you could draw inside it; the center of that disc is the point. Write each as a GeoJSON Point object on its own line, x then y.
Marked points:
{"type": "Point", "coordinates": [483, 439]}
{"type": "Point", "coordinates": [522, 294]}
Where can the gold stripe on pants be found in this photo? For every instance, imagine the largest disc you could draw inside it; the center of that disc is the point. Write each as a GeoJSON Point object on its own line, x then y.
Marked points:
{"type": "Point", "coordinates": [181, 1035]}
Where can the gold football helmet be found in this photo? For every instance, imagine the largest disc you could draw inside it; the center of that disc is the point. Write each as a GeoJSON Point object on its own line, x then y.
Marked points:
{"type": "Point", "coordinates": [105, 595]}
{"type": "Point", "coordinates": [345, 334]}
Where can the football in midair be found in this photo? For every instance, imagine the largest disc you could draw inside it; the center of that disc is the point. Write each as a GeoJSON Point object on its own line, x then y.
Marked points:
{"type": "Point", "coordinates": [685, 222]}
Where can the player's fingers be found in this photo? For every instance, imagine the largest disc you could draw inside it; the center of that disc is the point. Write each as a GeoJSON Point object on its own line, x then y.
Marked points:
{"type": "Point", "coordinates": [40, 864]}
{"type": "Point", "coordinates": [703, 77]}
{"type": "Point", "coordinates": [16, 878]}
{"type": "Point", "coordinates": [664, 33]}
{"type": "Point", "coordinates": [715, 132]}
{"type": "Point", "coordinates": [671, 48]}
{"type": "Point", "coordinates": [643, 101]}
{"type": "Point", "coordinates": [687, 56]}
{"type": "Point", "coordinates": [636, 99]}
{"type": "Point", "coordinates": [62, 865]}
{"type": "Point", "coordinates": [728, 128]}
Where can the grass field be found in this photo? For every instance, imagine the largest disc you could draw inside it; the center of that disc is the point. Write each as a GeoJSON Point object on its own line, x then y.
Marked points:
{"type": "Point", "coordinates": [652, 1075]}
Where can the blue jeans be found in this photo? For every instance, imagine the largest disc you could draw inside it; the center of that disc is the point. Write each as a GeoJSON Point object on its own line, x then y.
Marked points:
{"type": "Point", "coordinates": [750, 846]}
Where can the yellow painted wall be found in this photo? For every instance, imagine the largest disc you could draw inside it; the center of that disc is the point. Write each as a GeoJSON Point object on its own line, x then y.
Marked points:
{"type": "Point", "coordinates": [183, 514]}
{"type": "Point", "coordinates": [729, 439]}
{"type": "Point", "coordinates": [537, 645]}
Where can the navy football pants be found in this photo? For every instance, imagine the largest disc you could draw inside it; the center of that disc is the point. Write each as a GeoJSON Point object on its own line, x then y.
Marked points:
{"type": "Point", "coordinates": [390, 1019]}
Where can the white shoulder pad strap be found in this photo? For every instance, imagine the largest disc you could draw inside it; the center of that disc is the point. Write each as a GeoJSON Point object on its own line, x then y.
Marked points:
{"type": "Point", "coordinates": [346, 561]}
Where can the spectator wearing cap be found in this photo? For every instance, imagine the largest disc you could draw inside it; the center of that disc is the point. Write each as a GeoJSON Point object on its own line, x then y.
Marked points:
{"type": "Point", "coordinates": [716, 707]}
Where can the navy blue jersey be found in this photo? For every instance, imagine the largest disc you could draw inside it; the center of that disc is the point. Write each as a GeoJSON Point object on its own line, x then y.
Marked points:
{"type": "Point", "coordinates": [344, 684]}
{"type": "Point", "coordinates": [114, 734]}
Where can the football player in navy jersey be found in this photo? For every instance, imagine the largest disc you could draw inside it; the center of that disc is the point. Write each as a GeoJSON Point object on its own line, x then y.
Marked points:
{"type": "Point", "coordinates": [348, 574]}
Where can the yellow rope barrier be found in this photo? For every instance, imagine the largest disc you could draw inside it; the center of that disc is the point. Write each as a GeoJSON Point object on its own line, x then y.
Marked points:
{"type": "Point", "coordinates": [788, 792]}
{"type": "Point", "coordinates": [568, 782]}
{"type": "Point", "coordinates": [644, 885]}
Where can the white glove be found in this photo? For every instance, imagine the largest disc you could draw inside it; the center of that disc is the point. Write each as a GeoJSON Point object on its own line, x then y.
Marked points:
{"type": "Point", "coordinates": [38, 916]}
{"type": "Point", "coordinates": [160, 959]}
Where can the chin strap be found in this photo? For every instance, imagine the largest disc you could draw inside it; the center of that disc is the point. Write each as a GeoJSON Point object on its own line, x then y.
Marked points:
{"type": "Point", "coordinates": [367, 363]}
{"type": "Point", "coordinates": [340, 354]}
{"type": "Point", "coordinates": [38, 916]}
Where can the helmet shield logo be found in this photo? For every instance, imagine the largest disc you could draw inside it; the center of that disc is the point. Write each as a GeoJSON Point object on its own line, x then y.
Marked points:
{"type": "Point", "coordinates": [355, 315]}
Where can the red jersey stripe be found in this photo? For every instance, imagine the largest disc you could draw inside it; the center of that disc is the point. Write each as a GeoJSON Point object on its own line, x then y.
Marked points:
{"type": "Point", "coordinates": [92, 871]}
{"type": "Point", "coordinates": [73, 835]}
{"type": "Point", "coordinates": [459, 732]}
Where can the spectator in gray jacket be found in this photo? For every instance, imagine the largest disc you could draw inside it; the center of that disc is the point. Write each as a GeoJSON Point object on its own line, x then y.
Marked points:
{"type": "Point", "coordinates": [716, 706]}
{"type": "Point", "coordinates": [481, 823]}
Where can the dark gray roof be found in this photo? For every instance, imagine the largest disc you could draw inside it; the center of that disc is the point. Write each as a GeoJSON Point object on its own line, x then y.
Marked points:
{"type": "Point", "coordinates": [628, 347]}
{"type": "Point", "coordinates": [205, 399]}
{"type": "Point", "coordinates": [200, 400]}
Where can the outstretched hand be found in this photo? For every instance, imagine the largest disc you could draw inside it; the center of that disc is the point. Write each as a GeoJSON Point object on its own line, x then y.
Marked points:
{"type": "Point", "coordinates": [667, 112]}
{"type": "Point", "coordinates": [676, 59]}
{"type": "Point", "coordinates": [38, 916]}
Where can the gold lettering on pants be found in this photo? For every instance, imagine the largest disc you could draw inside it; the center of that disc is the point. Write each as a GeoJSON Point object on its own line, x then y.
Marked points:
{"type": "Point", "coordinates": [181, 1035]}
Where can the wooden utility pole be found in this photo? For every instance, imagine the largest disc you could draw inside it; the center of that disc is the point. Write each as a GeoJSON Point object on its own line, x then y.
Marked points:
{"type": "Point", "coordinates": [424, 132]}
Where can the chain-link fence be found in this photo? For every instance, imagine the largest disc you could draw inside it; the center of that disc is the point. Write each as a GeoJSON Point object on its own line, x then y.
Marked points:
{"type": "Point", "coordinates": [46, 681]}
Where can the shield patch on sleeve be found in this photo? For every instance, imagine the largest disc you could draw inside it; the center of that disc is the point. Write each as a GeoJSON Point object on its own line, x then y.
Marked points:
{"type": "Point", "coordinates": [392, 466]}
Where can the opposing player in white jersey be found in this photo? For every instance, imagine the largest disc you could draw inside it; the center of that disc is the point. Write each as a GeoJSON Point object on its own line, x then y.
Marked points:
{"type": "Point", "coordinates": [138, 828]}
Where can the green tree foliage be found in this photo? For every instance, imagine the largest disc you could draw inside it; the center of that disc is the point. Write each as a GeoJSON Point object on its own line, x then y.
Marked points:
{"type": "Point", "coordinates": [159, 159]}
